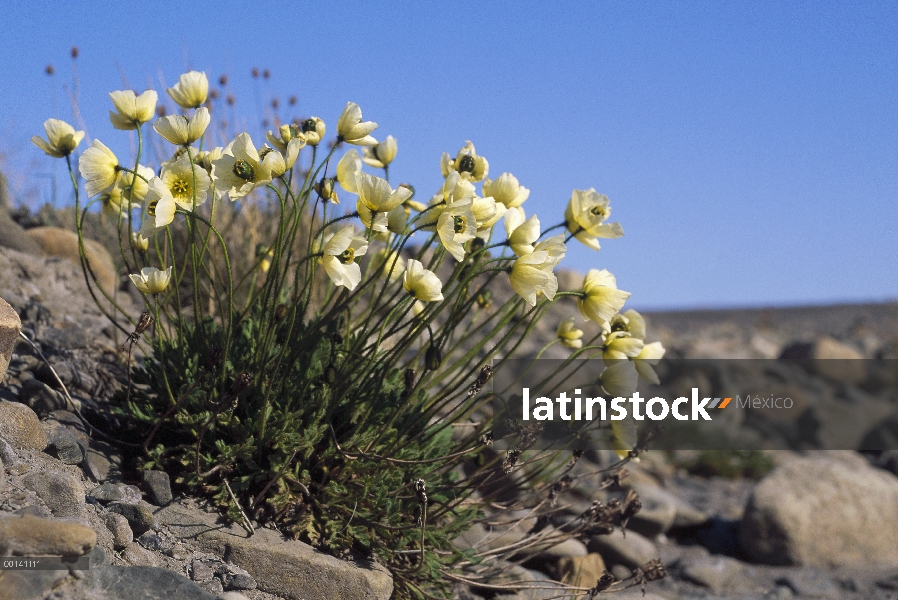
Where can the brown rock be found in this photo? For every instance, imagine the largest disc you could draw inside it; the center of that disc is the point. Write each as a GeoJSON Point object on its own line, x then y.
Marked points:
{"type": "Point", "coordinates": [62, 492]}
{"type": "Point", "coordinates": [823, 512]}
{"type": "Point", "coordinates": [10, 325]}
{"type": "Point", "coordinates": [287, 568]}
{"type": "Point", "coordinates": [28, 535]}
{"type": "Point", "coordinates": [20, 427]}
{"type": "Point", "coordinates": [581, 571]}
{"type": "Point", "coordinates": [57, 241]}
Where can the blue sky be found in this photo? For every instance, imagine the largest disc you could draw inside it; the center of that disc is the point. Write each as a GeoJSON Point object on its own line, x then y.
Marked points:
{"type": "Point", "coordinates": [749, 149]}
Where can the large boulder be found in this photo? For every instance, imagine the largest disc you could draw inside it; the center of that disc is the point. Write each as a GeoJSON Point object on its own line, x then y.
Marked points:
{"type": "Point", "coordinates": [10, 325]}
{"type": "Point", "coordinates": [57, 241]}
{"type": "Point", "coordinates": [823, 512]}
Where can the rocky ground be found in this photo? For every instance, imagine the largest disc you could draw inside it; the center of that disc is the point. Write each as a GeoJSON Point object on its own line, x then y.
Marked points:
{"type": "Point", "coordinates": [816, 525]}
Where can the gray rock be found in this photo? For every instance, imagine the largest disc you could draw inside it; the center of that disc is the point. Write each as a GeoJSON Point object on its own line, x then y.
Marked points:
{"type": "Point", "coordinates": [2, 476]}
{"type": "Point", "coordinates": [107, 492]}
{"type": "Point", "coordinates": [823, 512]}
{"type": "Point", "coordinates": [13, 236]}
{"type": "Point", "coordinates": [140, 516]}
{"type": "Point", "coordinates": [658, 512]}
{"type": "Point", "coordinates": [232, 596]}
{"type": "Point", "coordinates": [811, 582]}
{"type": "Point", "coordinates": [10, 326]}
{"type": "Point", "coordinates": [780, 592]}
{"type": "Point", "coordinates": [122, 536]}
{"type": "Point", "coordinates": [713, 572]}
{"type": "Point", "coordinates": [61, 492]}
{"type": "Point", "coordinates": [71, 338]}
{"type": "Point", "coordinates": [68, 450]}
{"type": "Point", "coordinates": [158, 486]}
{"type": "Point", "coordinates": [41, 398]}
{"type": "Point", "coordinates": [287, 568]}
{"type": "Point", "coordinates": [7, 454]}
{"type": "Point", "coordinates": [27, 535]}
{"type": "Point", "coordinates": [143, 582]}
{"type": "Point", "coordinates": [29, 585]}
{"type": "Point", "coordinates": [570, 547]}
{"type": "Point", "coordinates": [238, 582]}
{"type": "Point", "coordinates": [137, 555]}
{"type": "Point", "coordinates": [35, 511]}
{"type": "Point", "coordinates": [153, 541]}
{"type": "Point", "coordinates": [20, 427]}
{"type": "Point", "coordinates": [631, 551]}
{"type": "Point", "coordinates": [200, 571]}
{"type": "Point", "coordinates": [104, 462]}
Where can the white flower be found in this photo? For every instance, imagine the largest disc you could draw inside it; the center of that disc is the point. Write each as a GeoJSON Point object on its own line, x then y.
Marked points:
{"type": "Point", "coordinates": [468, 164]}
{"type": "Point", "coordinates": [619, 345]}
{"type": "Point", "coordinates": [531, 275]}
{"type": "Point", "coordinates": [455, 226]}
{"type": "Point", "coordinates": [487, 212]}
{"type": "Point", "coordinates": [620, 379]}
{"type": "Point", "coordinates": [585, 217]}
{"type": "Point", "coordinates": [181, 131]}
{"type": "Point", "coordinates": [176, 187]}
{"type": "Point", "coordinates": [280, 164]}
{"type": "Point", "coordinates": [454, 188]}
{"type": "Point", "coordinates": [601, 299]}
{"type": "Point", "coordinates": [347, 170]}
{"type": "Point", "coordinates": [623, 437]}
{"type": "Point", "coordinates": [99, 167]}
{"type": "Point", "coordinates": [631, 321]}
{"type": "Point", "coordinates": [62, 139]}
{"type": "Point", "coordinates": [136, 185]}
{"type": "Point", "coordinates": [422, 284]}
{"type": "Point", "coordinates": [313, 129]}
{"type": "Point", "coordinates": [569, 334]}
{"type": "Point", "coordinates": [288, 133]}
{"type": "Point", "coordinates": [340, 252]}
{"type": "Point", "coordinates": [151, 280]}
{"type": "Point", "coordinates": [372, 219]}
{"type": "Point", "coordinates": [240, 168]}
{"type": "Point", "coordinates": [138, 242]}
{"type": "Point", "coordinates": [521, 233]}
{"type": "Point", "coordinates": [132, 110]}
{"type": "Point", "coordinates": [350, 128]}
{"type": "Point", "coordinates": [191, 90]}
{"type": "Point", "coordinates": [506, 190]}
{"type": "Point", "coordinates": [377, 195]}
{"type": "Point", "coordinates": [644, 362]}
{"type": "Point", "coordinates": [382, 154]}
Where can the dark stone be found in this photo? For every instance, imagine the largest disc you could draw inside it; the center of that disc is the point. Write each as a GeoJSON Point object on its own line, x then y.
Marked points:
{"type": "Point", "coordinates": [108, 492]}
{"type": "Point", "coordinates": [41, 398]}
{"type": "Point", "coordinates": [158, 486]}
{"type": "Point", "coordinates": [71, 338]}
{"type": "Point", "coordinates": [146, 583]}
{"type": "Point", "coordinates": [238, 582]}
{"type": "Point", "coordinates": [200, 571]}
{"type": "Point", "coordinates": [68, 450]}
{"type": "Point", "coordinates": [140, 516]}
{"type": "Point", "coordinates": [152, 541]}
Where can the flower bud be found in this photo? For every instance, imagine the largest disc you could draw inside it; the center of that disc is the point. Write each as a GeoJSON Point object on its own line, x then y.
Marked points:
{"type": "Point", "coordinates": [280, 313]}
{"type": "Point", "coordinates": [433, 358]}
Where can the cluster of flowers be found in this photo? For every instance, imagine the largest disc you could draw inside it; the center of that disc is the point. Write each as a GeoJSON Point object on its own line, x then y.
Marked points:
{"type": "Point", "coordinates": [462, 219]}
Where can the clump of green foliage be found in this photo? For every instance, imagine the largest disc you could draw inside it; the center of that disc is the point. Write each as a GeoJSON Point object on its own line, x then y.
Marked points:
{"type": "Point", "coordinates": [314, 380]}
{"type": "Point", "coordinates": [731, 464]}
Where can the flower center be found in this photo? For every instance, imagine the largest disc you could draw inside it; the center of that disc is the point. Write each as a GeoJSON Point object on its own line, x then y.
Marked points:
{"type": "Point", "coordinates": [597, 211]}
{"type": "Point", "coordinates": [309, 125]}
{"type": "Point", "coordinates": [460, 223]}
{"type": "Point", "coordinates": [466, 163]}
{"type": "Point", "coordinates": [244, 170]}
{"type": "Point", "coordinates": [263, 152]}
{"type": "Point", "coordinates": [151, 208]}
{"type": "Point", "coordinates": [619, 326]}
{"type": "Point", "coordinates": [179, 188]}
{"type": "Point", "coordinates": [348, 256]}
